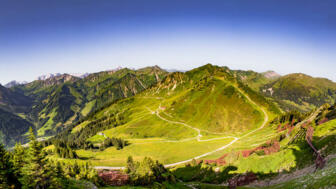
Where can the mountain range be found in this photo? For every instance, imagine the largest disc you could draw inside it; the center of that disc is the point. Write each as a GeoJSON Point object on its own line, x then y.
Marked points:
{"type": "Point", "coordinates": [53, 103]}
{"type": "Point", "coordinates": [210, 124]}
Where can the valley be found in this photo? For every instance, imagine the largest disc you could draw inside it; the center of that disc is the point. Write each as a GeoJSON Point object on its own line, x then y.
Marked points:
{"type": "Point", "coordinates": [197, 122]}
{"type": "Point", "coordinates": [167, 94]}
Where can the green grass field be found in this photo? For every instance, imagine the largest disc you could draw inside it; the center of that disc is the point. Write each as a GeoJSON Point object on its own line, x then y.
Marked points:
{"type": "Point", "coordinates": [165, 152]}
{"type": "Point", "coordinates": [178, 123]}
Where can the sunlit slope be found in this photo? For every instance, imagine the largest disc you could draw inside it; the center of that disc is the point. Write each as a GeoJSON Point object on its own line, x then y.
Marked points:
{"type": "Point", "coordinates": [141, 122]}
{"type": "Point", "coordinates": [301, 92]}
{"type": "Point", "coordinates": [207, 102]}
{"type": "Point", "coordinates": [192, 114]}
{"type": "Point", "coordinates": [63, 100]}
{"type": "Point", "coordinates": [216, 106]}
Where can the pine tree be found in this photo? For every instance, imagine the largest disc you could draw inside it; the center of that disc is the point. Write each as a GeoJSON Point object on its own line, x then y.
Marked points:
{"type": "Point", "coordinates": [37, 171]}
{"type": "Point", "coordinates": [131, 167]}
{"type": "Point", "coordinates": [18, 159]}
{"type": "Point", "coordinates": [58, 170]}
{"type": "Point", "coordinates": [7, 178]}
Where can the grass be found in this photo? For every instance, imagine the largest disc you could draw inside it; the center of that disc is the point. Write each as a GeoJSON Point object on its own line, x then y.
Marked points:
{"type": "Point", "coordinates": [48, 125]}
{"type": "Point", "coordinates": [328, 128]}
{"type": "Point", "coordinates": [324, 178]}
{"type": "Point", "coordinates": [216, 107]}
{"type": "Point", "coordinates": [283, 160]}
{"type": "Point", "coordinates": [123, 187]}
{"type": "Point", "coordinates": [251, 141]}
{"type": "Point", "coordinates": [79, 127]}
{"type": "Point", "coordinates": [177, 185]}
{"type": "Point", "coordinates": [88, 107]}
{"type": "Point", "coordinates": [165, 152]}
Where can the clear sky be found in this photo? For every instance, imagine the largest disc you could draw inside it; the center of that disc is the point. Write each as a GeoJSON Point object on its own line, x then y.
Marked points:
{"type": "Point", "coordinates": [71, 36]}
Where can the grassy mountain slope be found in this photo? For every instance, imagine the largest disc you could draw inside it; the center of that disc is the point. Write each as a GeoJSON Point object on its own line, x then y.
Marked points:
{"type": "Point", "coordinates": [193, 112]}
{"type": "Point", "coordinates": [12, 128]}
{"type": "Point", "coordinates": [14, 101]}
{"type": "Point", "coordinates": [301, 92]}
{"type": "Point", "coordinates": [13, 106]}
{"type": "Point", "coordinates": [256, 80]}
{"type": "Point", "coordinates": [59, 101]}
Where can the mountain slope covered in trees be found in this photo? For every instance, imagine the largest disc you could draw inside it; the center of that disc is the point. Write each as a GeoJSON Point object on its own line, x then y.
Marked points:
{"type": "Point", "coordinates": [301, 92]}
{"type": "Point", "coordinates": [207, 125]}
{"type": "Point", "coordinates": [202, 107]}
{"type": "Point", "coordinates": [55, 103]}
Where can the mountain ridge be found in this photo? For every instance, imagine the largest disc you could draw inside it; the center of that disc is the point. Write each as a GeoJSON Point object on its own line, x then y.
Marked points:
{"type": "Point", "coordinates": [64, 99]}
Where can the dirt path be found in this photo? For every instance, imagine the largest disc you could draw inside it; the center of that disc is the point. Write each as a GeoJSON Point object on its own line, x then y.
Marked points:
{"type": "Point", "coordinates": [235, 139]}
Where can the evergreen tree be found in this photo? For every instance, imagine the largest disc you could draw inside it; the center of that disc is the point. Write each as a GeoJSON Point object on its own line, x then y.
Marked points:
{"type": "Point", "coordinates": [58, 170]}
{"type": "Point", "coordinates": [18, 159]}
{"type": "Point", "coordinates": [37, 171]}
{"type": "Point", "coordinates": [131, 166]}
{"type": "Point", "coordinates": [7, 178]}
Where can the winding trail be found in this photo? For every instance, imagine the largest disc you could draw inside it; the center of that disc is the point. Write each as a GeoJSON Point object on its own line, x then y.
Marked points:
{"type": "Point", "coordinates": [199, 136]}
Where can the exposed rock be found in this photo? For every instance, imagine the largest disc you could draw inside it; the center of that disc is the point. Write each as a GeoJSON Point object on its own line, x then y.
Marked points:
{"type": "Point", "coordinates": [271, 75]}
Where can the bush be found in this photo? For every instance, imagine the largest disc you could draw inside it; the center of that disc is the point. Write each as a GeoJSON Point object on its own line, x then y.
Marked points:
{"type": "Point", "coordinates": [147, 172]}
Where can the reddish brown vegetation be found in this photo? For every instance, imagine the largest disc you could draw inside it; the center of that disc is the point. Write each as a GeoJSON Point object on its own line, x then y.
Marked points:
{"type": "Point", "coordinates": [242, 180]}
{"type": "Point", "coordinates": [287, 126]}
{"type": "Point", "coordinates": [275, 147]}
{"type": "Point", "coordinates": [320, 161]}
{"type": "Point", "coordinates": [272, 147]}
{"type": "Point", "coordinates": [220, 161]}
{"type": "Point", "coordinates": [323, 121]}
{"type": "Point", "coordinates": [114, 178]}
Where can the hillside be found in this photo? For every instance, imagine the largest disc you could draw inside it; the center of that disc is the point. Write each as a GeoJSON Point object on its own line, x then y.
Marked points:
{"type": "Point", "coordinates": [14, 101]}
{"type": "Point", "coordinates": [12, 128]}
{"type": "Point", "coordinates": [256, 80]}
{"type": "Point", "coordinates": [63, 99]}
{"type": "Point", "coordinates": [198, 111]}
{"type": "Point", "coordinates": [217, 127]}
{"type": "Point", "coordinates": [207, 125]}
{"type": "Point", "coordinates": [301, 92]}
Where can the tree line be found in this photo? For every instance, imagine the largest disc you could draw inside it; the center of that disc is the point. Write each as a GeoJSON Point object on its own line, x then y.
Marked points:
{"type": "Point", "coordinates": [29, 168]}
{"type": "Point", "coordinates": [67, 141]}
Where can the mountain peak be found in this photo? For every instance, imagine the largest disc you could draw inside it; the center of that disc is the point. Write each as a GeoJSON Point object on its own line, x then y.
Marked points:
{"type": "Point", "coordinates": [14, 83]}
{"type": "Point", "coordinates": [48, 76]}
{"type": "Point", "coordinates": [79, 75]}
{"type": "Point", "coordinates": [271, 74]}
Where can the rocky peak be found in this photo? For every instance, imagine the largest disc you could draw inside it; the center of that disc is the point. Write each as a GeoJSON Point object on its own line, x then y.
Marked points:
{"type": "Point", "coordinates": [14, 83]}
{"type": "Point", "coordinates": [271, 75]}
{"type": "Point", "coordinates": [59, 79]}
{"type": "Point", "coordinates": [48, 76]}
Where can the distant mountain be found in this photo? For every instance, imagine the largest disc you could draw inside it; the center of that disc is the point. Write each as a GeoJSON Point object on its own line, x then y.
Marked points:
{"type": "Point", "coordinates": [175, 70]}
{"type": "Point", "coordinates": [14, 101]}
{"type": "Point", "coordinates": [48, 76]}
{"type": "Point", "coordinates": [40, 87]}
{"type": "Point", "coordinates": [56, 101]}
{"type": "Point", "coordinates": [14, 83]}
{"type": "Point", "coordinates": [63, 99]}
{"type": "Point", "coordinates": [80, 75]}
{"type": "Point", "coordinates": [271, 75]}
{"type": "Point", "coordinates": [254, 79]}
{"type": "Point", "coordinates": [12, 128]}
{"type": "Point", "coordinates": [301, 92]}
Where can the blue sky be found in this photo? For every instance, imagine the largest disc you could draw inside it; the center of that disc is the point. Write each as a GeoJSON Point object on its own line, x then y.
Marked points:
{"type": "Point", "coordinates": [71, 36]}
